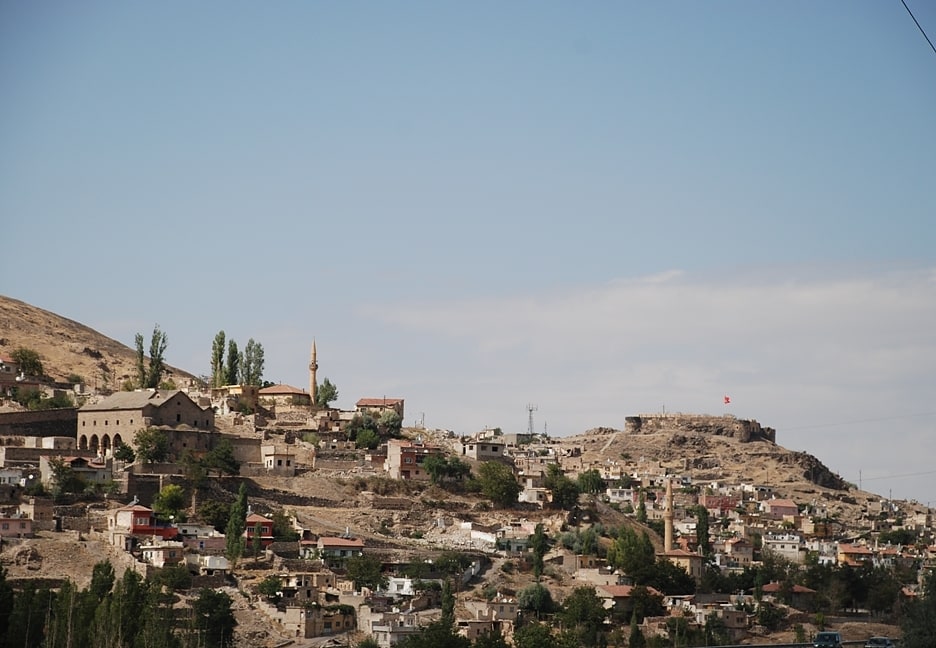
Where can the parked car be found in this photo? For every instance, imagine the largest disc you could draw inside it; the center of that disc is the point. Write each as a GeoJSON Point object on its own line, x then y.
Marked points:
{"type": "Point", "coordinates": [879, 642]}
{"type": "Point", "coordinates": [827, 640]}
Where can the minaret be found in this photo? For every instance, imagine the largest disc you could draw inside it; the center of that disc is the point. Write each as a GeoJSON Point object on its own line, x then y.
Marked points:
{"type": "Point", "coordinates": [313, 367]}
{"type": "Point", "coordinates": [668, 518]}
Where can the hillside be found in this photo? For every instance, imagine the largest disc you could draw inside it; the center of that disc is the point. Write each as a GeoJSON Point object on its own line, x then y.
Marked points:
{"type": "Point", "coordinates": [67, 347]}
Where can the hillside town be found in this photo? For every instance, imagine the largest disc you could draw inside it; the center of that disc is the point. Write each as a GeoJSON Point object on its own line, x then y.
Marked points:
{"type": "Point", "coordinates": [328, 523]}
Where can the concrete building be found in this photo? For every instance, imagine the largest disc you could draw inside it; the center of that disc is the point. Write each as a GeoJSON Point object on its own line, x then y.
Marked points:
{"type": "Point", "coordinates": [405, 459]}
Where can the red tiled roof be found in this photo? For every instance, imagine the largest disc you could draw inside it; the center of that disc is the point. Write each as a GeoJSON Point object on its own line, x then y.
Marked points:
{"type": "Point", "coordinates": [378, 402]}
{"type": "Point", "coordinates": [282, 390]}
{"type": "Point", "coordinates": [624, 591]}
{"type": "Point", "coordinates": [256, 517]}
{"type": "Point", "coordinates": [341, 542]}
{"type": "Point", "coordinates": [854, 549]}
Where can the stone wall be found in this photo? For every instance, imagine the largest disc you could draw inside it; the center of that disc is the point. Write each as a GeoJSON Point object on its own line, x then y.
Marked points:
{"type": "Point", "coordinates": [741, 429]}
{"type": "Point", "coordinates": [58, 422]}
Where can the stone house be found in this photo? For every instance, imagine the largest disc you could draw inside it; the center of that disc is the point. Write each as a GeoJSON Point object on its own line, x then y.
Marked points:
{"type": "Point", "coordinates": [284, 396]}
{"type": "Point", "coordinates": [486, 450]}
{"type": "Point", "coordinates": [116, 419]}
{"type": "Point", "coordinates": [377, 406]}
{"type": "Point", "coordinates": [163, 554]}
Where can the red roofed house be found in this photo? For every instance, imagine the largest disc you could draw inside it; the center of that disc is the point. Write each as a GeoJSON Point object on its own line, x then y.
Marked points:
{"type": "Point", "coordinates": [335, 547]}
{"type": "Point", "coordinates": [136, 520]}
{"type": "Point", "coordinates": [800, 597]}
{"type": "Point", "coordinates": [380, 405]}
{"type": "Point", "coordinates": [777, 509]}
{"type": "Point", "coordinates": [405, 459]}
{"type": "Point", "coordinates": [739, 552]}
{"type": "Point", "coordinates": [619, 598]}
{"type": "Point", "coordinates": [257, 525]}
{"type": "Point", "coordinates": [852, 554]}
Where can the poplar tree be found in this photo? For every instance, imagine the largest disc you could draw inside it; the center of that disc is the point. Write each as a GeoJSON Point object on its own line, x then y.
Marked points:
{"type": "Point", "coordinates": [234, 531]}
{"type": "Point", "coordinates": [252, 363]}
{"type": "Point", "coordinates": [217, 360]}
{"type": "Point", "coordinates": [232, 367]}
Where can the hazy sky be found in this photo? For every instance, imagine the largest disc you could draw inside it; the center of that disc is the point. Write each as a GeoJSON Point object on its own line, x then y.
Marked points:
{"type": "Point", "coordinates": [601, 209]}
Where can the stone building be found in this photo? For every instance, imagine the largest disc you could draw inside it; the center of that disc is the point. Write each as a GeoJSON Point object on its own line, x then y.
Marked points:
{"type": "Point", "coordinates": [116, 419]}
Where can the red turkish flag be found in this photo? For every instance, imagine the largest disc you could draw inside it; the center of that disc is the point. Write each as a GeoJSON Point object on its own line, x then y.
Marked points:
{"type": "Point", "coordinates": [727, 400]}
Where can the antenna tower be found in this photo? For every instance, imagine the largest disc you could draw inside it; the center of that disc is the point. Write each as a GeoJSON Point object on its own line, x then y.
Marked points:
{"type": "Point", "coordinates": [530, 409]}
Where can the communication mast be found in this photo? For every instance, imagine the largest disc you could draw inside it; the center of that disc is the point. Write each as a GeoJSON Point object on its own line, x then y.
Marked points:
{"type": "Point", "coordinates": [530, 409]}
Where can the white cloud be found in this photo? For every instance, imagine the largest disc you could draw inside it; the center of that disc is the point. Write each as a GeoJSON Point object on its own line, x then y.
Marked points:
{"type": "Point", "coordinates": [791, 353]}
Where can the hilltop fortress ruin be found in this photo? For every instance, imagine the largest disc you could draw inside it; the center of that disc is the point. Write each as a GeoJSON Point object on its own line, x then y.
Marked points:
{"type": "Point", "coordinates": [726, 425]}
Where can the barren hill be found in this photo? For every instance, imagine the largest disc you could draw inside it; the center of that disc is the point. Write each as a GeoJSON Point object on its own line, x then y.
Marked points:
{"type": "Point", "coordinates": [67, 347]}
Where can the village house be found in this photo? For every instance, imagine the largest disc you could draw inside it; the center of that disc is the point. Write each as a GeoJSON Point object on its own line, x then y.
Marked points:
{"type": "Point", "coordinates": [405, 458]}
{"type": "Point", "coordinates": [377, 406]}
{"type": "Point", "coordinates": [790, 546]}
{"type": "Point", "coordinates": [136, 520]}
{"type": "Point", "coordinates": [739, 552]}
{"type": "Point", "coordinates": [258, 526]}
{"type": "Point", "coordinates": [339, 547]}
{"type": "Point", "coordinates": [486, 450]}
{"type": "Point", "coordinates": [279, 461]}
{"type": "Point", "coordinates": [853, 554]}
{"type": "Point", "coordinates": [780, 509]}
{"type": "Point", "coordinates": [116, 419]}
{"type": "Point", "coordinates": [163, 553]}
{"type": "Point", "coordinates": [693, 563]}
{"type": "Point", "coordinates": [618, 599]}
{"type": "Point", "coordinates": [16, 525]}
{"type": "Point", "coordinates": [284, 396]}
{"type": "Point", "coordinates": [89, 471]}
{"type": "Point", "coordinates": [797, 596]}
{"type": "Point", "coordinates": [206, 564]}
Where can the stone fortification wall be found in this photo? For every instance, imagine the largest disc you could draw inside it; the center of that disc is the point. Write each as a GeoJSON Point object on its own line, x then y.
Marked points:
{"type": "Point", "coordinates": [58, 422]}
{"type": "Point", "coordinates": [741, 429]}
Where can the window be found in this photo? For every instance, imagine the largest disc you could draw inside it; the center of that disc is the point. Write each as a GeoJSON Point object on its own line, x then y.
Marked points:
{"type": "Point", "coordinates": [83, 423]}
{"type": "Point", "coordinates": [105, 421]}
{"type": "Point", "coordinates": [178, 418]}
{"type": "Point", "coordinates": [6, 525]}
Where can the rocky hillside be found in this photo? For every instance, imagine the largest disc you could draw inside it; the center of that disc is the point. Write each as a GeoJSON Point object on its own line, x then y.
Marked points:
{"type": "Point", "coordinates": [67, 347]}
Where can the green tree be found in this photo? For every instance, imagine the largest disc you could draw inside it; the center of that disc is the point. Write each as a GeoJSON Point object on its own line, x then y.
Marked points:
{"type": "Point", "coordinates": [27, 361]}
{"type": "Point", "coordinates": [215, 513]}
{"type": "Point", "coordinates": [212, 618]}
{"type": "Point", "coordinates": [169, 501]}
{"type": "Point", "coordinates": [194, 470]}
{"type": "Point", "coordinates": [918, 620]}
{"type": "Point", "coordinates": [234, 531]}
{"type": "Point", "coordinates": [218, 372]}
{"type": "Point", "coordinates": [583, 613]}
{"type": "Point", "coordinates": [390, 422]}
{"type": "Point", "coordinates": [6, 605]}
{"type": "Point", "coordinates": [325, 393]}
{"type": "Point", "coordinates": [539, 545]}
{"type": "Point", "coordinates": [283, 530]}
{"type": "Point", "coordinates": [270, 587]}
{"type": "Point", "coordinates": [636, 638]}
{"type": "Point", "coordinates": [124, 452]}
{"type": "Point", "coordinates": [252, 365]}
{"type": "Point", "coordinates": [232, 366]}
{"type": "Point", "coordinates": [365, 571]}
{"type": "Point", "coordinates": [64, 479]}
{"type": "Point", "coordinates": [448, 604]}
{"type": "Point", "coordinates": [140, 360]}
{"type": "Point", "coordinates": [221, 458]}
{"type": "Point", "coordinates": [702, 530]}
{"type": "Point", "coordinates": [642, 510]}
{"type": "Point", "coordinates": [591, 481]}
{"type": "Point", "coordinates": [366, 439]}
{"type": "Point", "coordinates": [537, 598]}
{"type": "Point", "coordinates": [152, 445]}
{"type": "Point", "coordinates": [498, 483]}
{"type": "Point", "coordinates": [534, 635]}
{"type": "Point", "coordinates": [157, 363]}
{"type": "Point", "coordinates": [359, 423]}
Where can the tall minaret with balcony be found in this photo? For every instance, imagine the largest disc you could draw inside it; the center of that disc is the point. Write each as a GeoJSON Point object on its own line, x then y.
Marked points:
{"type": "Point", "coordinates": [313, 367]}
{"type": "Point", "coordinates": [668, 518]}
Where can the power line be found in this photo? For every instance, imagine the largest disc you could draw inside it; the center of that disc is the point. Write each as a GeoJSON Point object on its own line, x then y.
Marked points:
{"type": "Point", "coordinates": [919, 26]}
{"type": "Point", "coordinates": [917, 474]}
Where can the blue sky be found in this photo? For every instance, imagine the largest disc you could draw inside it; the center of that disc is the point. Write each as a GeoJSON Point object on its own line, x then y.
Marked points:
{"type": "Point", "coordinates": [601, 209]}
